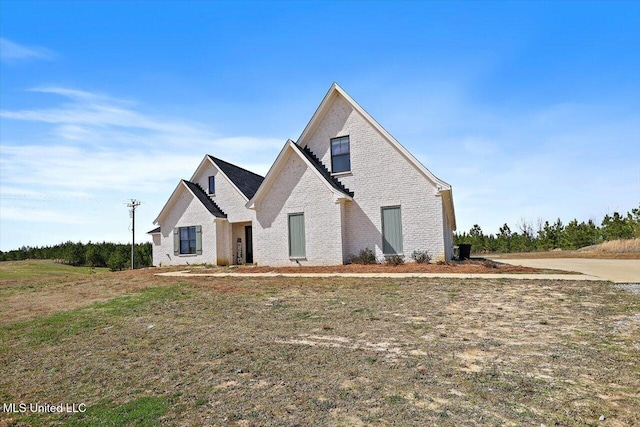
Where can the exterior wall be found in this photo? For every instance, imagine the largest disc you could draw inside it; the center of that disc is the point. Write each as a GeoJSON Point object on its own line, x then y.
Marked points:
{"type": "Point", "coordinates": [157, 255]}
{"type": "Point", "coordinates": [232, 203]}
{"type": "Point", "coordinates": [186, 211]}
{"type": "Point", "coordinates": [223, 242]}
{"type": "Point", "coordinates": [380, 176]}
{"type": "Point", "coordinates": [297, 189]}
{"type": "Point", "coordinates": [227, 197]}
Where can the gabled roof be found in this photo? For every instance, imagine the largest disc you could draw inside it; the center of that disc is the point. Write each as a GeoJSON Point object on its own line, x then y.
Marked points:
{"type": "Point", "coordinates": [206, 201]}
{"type": "Point", "coordinates": [244, 181]}
{"type": "Point", "coordinates": [333, 181]}
{"type": "Point", "coordinates": [322, 109]}
{"type": "Point", "coordinates": [332, 184]}
{"type": "Point", "coordinates": [154, 231]}
{"type": "Point", "coordinates": [199, 193]}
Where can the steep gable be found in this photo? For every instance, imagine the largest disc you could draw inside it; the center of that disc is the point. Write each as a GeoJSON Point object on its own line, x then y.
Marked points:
{"type": "Point", "coordinates": [246, 181]}
{"type": "Point", "coordinates": [198, 193]}
{"type": "Point", "coordinates": [333, 181]}
{"type": "Point", "coordinates": [339, 115]}
{"type": "Point", "coordinates": [211, 206]}
{"type": "Point", "coordinates": [292, 149]}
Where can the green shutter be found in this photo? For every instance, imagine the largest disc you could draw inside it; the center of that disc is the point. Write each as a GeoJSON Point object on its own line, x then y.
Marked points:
{"type": "Point", "coordinates": [391, 230]}
{"type": "Point", "coordinates": [296, 236]}
{"type": "Point", "coordinates": [198, 239]}
{"type": "Point", "coordinates": [176, 241]}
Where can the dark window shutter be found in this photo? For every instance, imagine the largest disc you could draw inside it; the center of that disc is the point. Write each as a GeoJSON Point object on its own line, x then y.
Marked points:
{"type": "Point", "coordinates": [176, 241]}
{"type": "Point", "coordinates": [198, 240]}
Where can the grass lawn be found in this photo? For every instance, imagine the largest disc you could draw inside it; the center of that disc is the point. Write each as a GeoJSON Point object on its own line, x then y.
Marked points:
{"type": "Point", "coordinates": [138, 349]}
{"type": "Point", "coordinates": [42, 269]}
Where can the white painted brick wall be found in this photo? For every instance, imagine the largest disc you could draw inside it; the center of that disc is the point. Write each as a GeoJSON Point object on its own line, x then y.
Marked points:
{"type": "Point", "coordinates": [227, 197]}
{"type": "Point", "coordinates": [380, 176]}
{"type": "Point", "coordinates": [298, 189]}
{"type": "Point", "coordinates": [186, 212]}
{"type": "Point", "coordinates": [232, 203]}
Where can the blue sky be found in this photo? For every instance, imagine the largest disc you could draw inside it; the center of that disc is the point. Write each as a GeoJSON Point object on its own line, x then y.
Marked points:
{"type": "Point", "coordinates": [529, 109]}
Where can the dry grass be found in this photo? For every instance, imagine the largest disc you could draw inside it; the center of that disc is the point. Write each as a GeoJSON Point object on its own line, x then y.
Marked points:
{"type": "Point", "coordinates": [629, 246]}
{"type": "Point", "coordinates": [278, 351]}
{"type": "Point", "coordinates": [617, 249]}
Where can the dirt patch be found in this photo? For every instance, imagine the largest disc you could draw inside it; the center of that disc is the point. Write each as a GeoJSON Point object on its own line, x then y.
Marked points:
{"type": "Point", "coordinates": [25, 299]}
{"type": "Point", "coordinates": [477, 266]}
{"type": "Point", "coordinates": [346, 351]}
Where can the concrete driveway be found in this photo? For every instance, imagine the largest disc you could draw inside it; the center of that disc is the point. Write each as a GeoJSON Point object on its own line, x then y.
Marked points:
{"type": "Point", "coordinates": [616, 270]}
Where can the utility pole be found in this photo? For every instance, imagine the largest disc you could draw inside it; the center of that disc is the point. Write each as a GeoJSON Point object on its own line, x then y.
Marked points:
{"type": "Point", "coordinates": [133, 205]}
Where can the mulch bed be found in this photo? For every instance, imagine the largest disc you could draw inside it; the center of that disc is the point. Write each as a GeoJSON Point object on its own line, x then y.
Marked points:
{"type": "Point", "coordinates": [469, 266]}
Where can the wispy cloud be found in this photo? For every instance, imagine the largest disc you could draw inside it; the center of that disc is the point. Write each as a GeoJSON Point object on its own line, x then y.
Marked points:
{"type": "Point", "coordinates": [98, 151]}
{"type": "Point", "coordinates": [11, 52]}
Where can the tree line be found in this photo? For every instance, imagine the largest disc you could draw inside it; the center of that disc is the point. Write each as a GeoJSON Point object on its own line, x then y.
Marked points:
{"type": "Point", "coordinates": [548, 236]}
{"type": "Point", "coordinates": [116, 256]}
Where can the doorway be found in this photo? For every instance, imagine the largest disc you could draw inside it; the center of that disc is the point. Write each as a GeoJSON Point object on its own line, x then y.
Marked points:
{"type": "Point", "coordinates": [248, 238]}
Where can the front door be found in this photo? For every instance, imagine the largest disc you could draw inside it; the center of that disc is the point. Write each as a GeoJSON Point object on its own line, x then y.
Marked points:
{"type": "Point", "coordinates": [248, 238]}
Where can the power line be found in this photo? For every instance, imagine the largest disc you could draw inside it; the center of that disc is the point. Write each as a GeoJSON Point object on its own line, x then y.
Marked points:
{"type": "Point", "coordinates": [132, 206]}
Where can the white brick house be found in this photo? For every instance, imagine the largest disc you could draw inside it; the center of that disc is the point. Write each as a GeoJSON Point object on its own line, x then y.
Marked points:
{"type": "Point", "coordinates": [344, 186]}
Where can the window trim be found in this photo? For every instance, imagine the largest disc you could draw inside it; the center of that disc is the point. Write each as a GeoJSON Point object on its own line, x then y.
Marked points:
{"type": "Point", "coordinates": [212, 179]}
{"type": "Point", "coordinates": [348, 154]}
{"type": "Point", "coordinates": [304, 232]}
{"type": "Point", "coordinates": [382, 209]}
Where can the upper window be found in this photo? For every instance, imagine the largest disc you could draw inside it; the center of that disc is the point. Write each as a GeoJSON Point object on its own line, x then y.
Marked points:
{"type": "Point", "coordinates": [212, 185]}
{"type": "Point", "coordinates": [340, 155]}
{"type": "Point", "coordinates": [188, 240]}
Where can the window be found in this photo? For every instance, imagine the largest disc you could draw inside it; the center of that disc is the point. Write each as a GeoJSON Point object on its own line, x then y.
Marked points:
{"type": "Point", "coordinates": [212, 185]}
{"type": "Point", "coordinates": [187, 240]}
{"type": "Point", "coordinates": [391, 230]}
{"type": "Point", "coordinates": [340, 155]}
{"type": "Point", "coordinates": [296, 236]}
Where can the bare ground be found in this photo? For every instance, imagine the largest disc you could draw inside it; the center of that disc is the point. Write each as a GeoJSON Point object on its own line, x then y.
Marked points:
{"type": "Point", "coordinates": [477, 265]}
{"type": "Point", "coordinates": [235, 351]}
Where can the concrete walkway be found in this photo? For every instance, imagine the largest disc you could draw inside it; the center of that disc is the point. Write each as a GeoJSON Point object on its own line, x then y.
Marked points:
{"type": "Point", "coordinates": [616, 270]}
{"type": "Point", "coordinates": [188, 273]}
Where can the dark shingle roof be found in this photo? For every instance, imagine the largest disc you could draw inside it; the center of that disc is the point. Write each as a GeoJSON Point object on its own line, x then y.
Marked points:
{"type": "Point", "coordinates": [333, 181]}
{"type": "Point", "coordinates": [206, 201]}
{"type": "Point", "coordinates": [246, 181]}
{"type": "Point", "coordinates": [155, 230]}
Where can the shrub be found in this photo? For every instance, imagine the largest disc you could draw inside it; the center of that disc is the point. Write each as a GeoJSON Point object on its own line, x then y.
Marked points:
{"type": "Point", "coordinates": [117, 261]}
{"type": "Point", "coordinates": [394, 260]}
{"type": "Point", "coordinates": [366, 256]}
{"type": "Point", "coordinates": [421, 257]}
